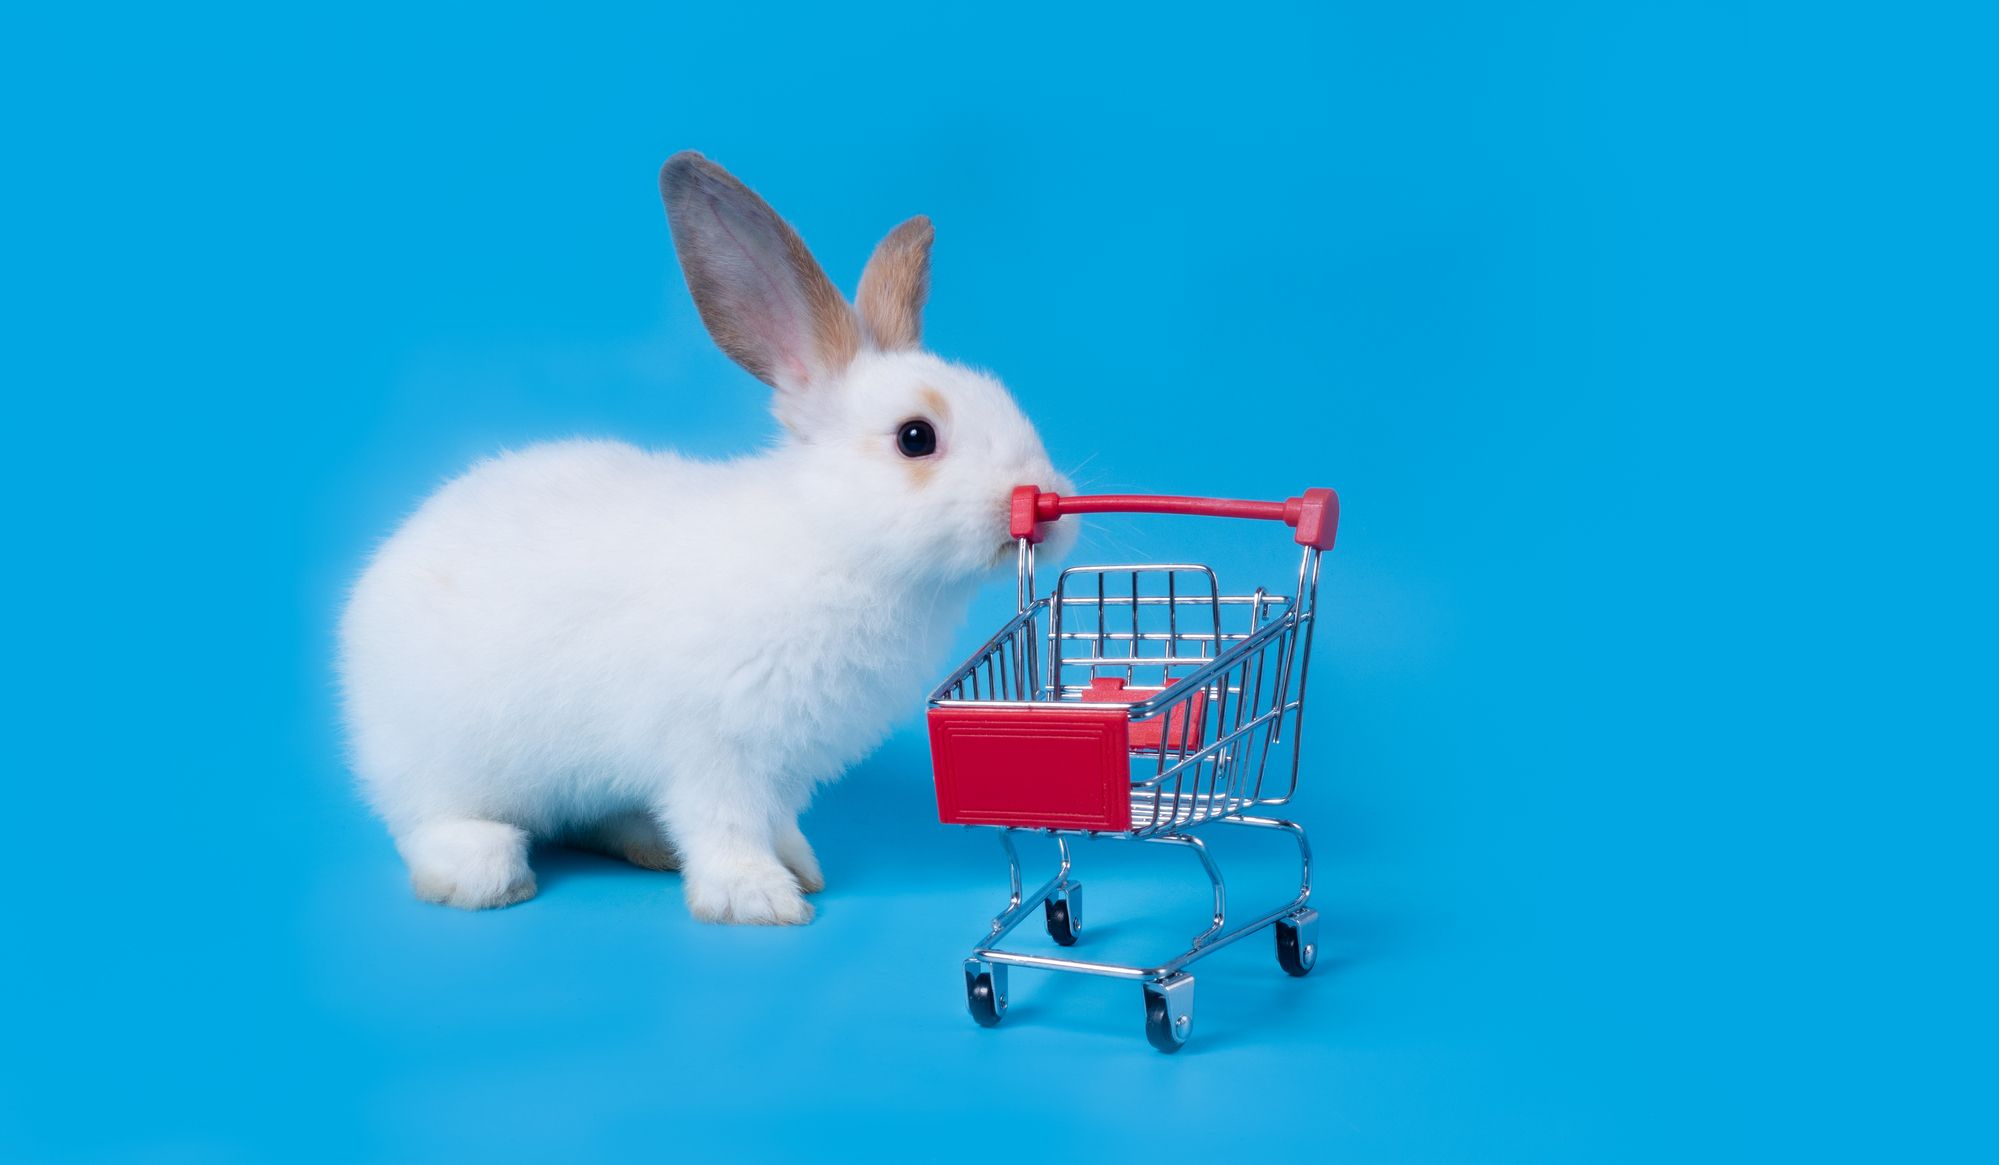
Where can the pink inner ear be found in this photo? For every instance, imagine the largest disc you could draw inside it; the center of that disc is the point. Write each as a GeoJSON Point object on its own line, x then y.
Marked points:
{"type": "Point", "coordinates": [761, 294]}
{"type": "Point", "coordinates": [779, 303]}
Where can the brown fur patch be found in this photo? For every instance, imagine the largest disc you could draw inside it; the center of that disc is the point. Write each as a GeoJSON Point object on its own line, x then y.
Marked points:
{"type": "Point", "coordinates": [832, 320]}
{"type": "Point", "coordinates": [934, 405]}
{"type": "Point", "coordinates": [895, 286]}
{"type": "Point", "coordinates": [920, 469]}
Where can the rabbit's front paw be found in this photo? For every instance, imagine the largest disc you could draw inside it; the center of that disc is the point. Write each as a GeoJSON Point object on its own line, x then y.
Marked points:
{"type": "Point", "coordinates": [764, 895]}
{"type": "Point", "coordinates": [470, 864]}
{"type": "Point", "coordinates": [796, 853]}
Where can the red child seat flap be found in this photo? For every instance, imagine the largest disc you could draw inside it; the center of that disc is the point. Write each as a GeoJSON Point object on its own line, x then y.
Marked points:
{"type": "Point", "coordinates": [1181, 726]}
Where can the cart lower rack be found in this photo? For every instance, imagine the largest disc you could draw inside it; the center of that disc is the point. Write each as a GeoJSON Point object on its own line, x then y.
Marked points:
{"type": "Point", "coordinates": [1138, 702]}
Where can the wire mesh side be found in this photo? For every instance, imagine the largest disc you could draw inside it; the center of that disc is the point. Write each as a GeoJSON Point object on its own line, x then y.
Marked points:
{"type": "Point", "coordinates": [1006, 668]}
{"type": "Point", "coordinates": [1215, 683]}
{"type": "Point", "coordinates": [1241, 710]}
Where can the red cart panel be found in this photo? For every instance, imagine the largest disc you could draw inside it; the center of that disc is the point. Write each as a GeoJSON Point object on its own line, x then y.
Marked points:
{"type": "Point", "coordinates": [1032, 768]}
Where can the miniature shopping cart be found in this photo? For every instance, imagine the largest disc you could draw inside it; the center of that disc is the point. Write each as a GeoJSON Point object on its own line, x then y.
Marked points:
{"type": "Point", "coordinates": [1135, 702]}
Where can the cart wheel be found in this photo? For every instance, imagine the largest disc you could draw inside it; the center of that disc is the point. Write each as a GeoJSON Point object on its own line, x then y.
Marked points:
{"type": "Point", "coordinates": [1298, 942]}
{"type": "Point", "coordinates": [985, 992]}
{"type": "Point", "coordinates": [1169, 1012]}
{"type": "Point", "coordinates": [1065, 915]}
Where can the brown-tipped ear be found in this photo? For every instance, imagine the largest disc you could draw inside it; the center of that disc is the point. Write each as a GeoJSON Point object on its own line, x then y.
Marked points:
{"type": "Point", "coordinates": [760, 292]}
{"type": "Point", "coordinates": [895, 286]}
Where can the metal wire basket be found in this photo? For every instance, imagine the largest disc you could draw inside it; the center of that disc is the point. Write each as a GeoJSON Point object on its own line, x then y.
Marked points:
{"type": "Point", "coordinates": [1133, 701]}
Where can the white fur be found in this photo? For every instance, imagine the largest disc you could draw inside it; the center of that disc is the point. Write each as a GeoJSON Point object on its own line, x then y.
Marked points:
{"type": "Point", "coordinates": [661, 657]}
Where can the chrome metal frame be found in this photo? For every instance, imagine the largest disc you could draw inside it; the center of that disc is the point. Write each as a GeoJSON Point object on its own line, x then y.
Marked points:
{"type": "Point", "coordinates": [1243, 691]}
{"type": "Point", "coordinates": [1021, 906]}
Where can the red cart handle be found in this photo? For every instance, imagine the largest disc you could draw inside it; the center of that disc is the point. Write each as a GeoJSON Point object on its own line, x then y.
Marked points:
{"type": "Point", "coordinates": [1316, 515]}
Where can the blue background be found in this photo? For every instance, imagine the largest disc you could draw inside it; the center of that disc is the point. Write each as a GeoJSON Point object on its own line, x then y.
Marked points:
{"type": "Point", "coordinates": [1650, 348]}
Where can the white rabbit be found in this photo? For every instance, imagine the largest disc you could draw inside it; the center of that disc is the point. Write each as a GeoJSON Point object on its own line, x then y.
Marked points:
{"type": "Point", "coordinates": [661, 658]}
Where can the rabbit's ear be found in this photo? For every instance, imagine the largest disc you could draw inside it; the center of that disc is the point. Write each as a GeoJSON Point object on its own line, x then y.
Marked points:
{"type": "Point", "coordinates": [895, 285]}
{"type": "Point", "coordinates": [760, 292]}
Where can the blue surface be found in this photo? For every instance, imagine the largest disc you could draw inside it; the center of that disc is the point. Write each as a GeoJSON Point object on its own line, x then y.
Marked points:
{"type": "Point", "coordinates": [1650, 762]}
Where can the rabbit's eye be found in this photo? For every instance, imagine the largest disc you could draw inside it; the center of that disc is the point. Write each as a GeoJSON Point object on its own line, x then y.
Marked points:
{"type": "Point", "coordinates": [916, 438]}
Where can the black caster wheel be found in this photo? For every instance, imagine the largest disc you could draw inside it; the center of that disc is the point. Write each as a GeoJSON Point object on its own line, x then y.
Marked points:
{"type": "Point", "coordinates": [1298, 942]}
{"type": "Point", "coordinates": [1065, 916]}
{"type": "Point", "coordinates": [1060, 927]}
{"type": "Point", "coordinates": [1169, 1013]}
{"type": "Point", "coordinates": [985, 994]}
